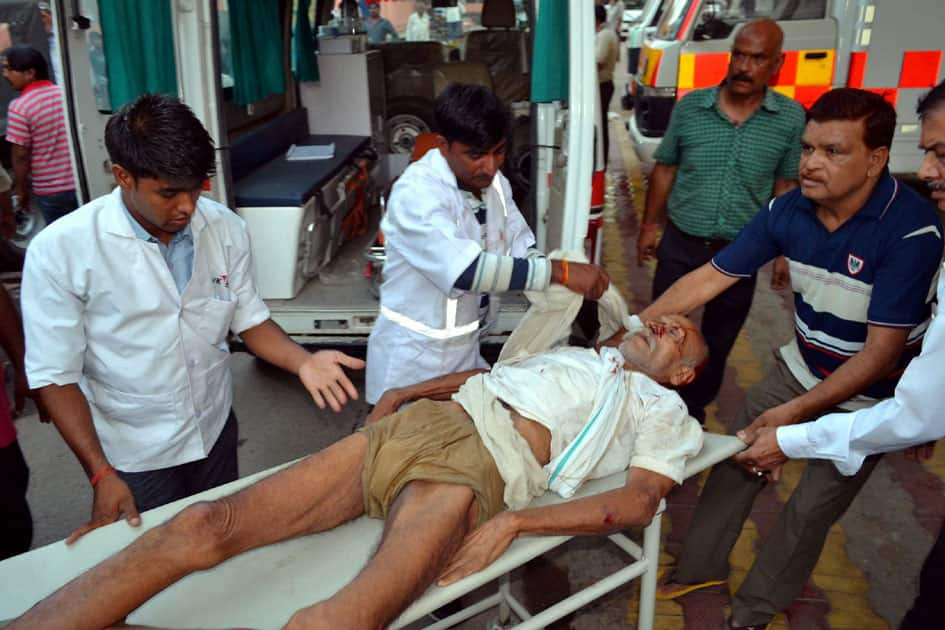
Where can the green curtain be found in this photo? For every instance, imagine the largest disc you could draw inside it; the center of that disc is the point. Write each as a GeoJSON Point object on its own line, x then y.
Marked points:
{"type": "Point", "coordinates": [550, 56]}
{"type": "Point", "coordinates": [256, 48]}
{"type": "Point", "coordinates": [304, 59]}
{"type": "Point", "coordinates": [139, 48]}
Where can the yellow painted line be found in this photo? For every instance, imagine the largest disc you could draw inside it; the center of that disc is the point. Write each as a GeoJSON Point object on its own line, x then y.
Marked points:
{"type": "Point", "coordinates": [936, 464]}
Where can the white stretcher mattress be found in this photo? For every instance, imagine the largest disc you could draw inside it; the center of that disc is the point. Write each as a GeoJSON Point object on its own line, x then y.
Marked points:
{"type": "Point", "coordinates": [262, 588]}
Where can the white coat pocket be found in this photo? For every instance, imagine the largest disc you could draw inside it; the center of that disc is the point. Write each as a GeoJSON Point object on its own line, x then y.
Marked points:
{"type": "Point", "coordinates": [216, 317]}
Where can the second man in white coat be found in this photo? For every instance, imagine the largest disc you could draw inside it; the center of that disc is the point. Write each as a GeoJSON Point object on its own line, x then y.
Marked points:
{"type": "Point", "coordinates": [454, 237]}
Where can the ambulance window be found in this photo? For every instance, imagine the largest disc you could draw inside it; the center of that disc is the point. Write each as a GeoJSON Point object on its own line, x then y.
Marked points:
{"type": "Point", "coordinates": [719, 18]}
{"type": "Point", "coordinates": [673, 16]}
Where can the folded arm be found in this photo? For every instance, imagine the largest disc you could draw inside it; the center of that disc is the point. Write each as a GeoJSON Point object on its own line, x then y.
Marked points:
{"type": "Point", "coordinates": [633, 504]}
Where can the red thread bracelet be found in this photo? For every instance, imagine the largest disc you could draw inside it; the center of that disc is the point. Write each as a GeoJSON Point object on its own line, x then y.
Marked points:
{"type": "Point", "coordinates": [649, 227]}
{"type": "Point", "coordinates": [101, 475]}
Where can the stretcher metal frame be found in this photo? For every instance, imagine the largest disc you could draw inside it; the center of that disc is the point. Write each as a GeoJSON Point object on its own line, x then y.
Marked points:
{"type": "Point", "coordinates": [263, 587]}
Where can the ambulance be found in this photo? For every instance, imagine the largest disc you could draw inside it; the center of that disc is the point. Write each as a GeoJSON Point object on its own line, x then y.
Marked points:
{"type": "Point", "coordinates": [891, 47]}
{"type": "Point", "coordinates": [241, 67]}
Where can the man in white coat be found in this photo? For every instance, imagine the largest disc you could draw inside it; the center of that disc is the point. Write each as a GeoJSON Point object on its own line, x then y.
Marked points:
{"type": "Point", "coordinates": [454, 236]}
{"type": "Point", "coordinates": [127, 303]}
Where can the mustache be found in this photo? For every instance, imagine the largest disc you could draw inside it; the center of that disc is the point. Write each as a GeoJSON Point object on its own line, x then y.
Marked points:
{"type": "Point", "coordinates": [741, 77]}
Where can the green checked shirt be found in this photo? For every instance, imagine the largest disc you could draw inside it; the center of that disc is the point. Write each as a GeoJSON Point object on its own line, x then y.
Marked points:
{"type": "Point", "coordinates": [726, 172]}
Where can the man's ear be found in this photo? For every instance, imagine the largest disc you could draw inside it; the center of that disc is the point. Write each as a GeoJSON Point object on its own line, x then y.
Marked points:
{"type": "Point", "coordinates": [442, 144]}
{"type": "Point", "coordinates": [122, 177]}
{"type": "Point", "coordinates": [682, 375]}
{"type": "Point", "coordinates": [878, 159]}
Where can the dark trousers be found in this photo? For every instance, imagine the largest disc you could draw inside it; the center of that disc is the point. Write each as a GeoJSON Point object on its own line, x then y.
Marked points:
{"type": "Point", "coordinates": [56, 205]}
{"type": "Point", "coordinates": [153, 488]}
{"type": "Point", "coordinates": [16, 522]}
{"type": "Point", "coordinates": [788, 555]}
{"type": "Point", "coordinates": [678, 254]}
{"type": "Point", "coordinates": [606, 93]}
{"type": "Point", "coordinates": [928, 609]}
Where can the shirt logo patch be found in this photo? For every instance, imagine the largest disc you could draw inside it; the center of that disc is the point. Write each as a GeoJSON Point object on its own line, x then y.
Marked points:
{"type": "Point", "coordinates": [854, 264]}
{"type": "Point", "coordinates": [223, 280]}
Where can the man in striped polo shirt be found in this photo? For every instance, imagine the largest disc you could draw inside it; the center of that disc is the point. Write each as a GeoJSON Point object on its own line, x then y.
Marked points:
{"type": "Point", "coordinates": [36, 129]}
{"type": "Point", "coordinates": [726, 151]}
{"type": "Point", "coordinates": [863, 251]}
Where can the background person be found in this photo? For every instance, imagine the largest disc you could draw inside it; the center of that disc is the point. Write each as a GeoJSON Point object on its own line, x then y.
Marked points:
{"type": "Point", "coordinates": [863, 252]}
{"type": "Point", "coordinates": [378, 28]}
{"type": "Point", "coordinates": [418, 23]}
{"type": "Point", "coordinates": [454, 238]}
{"type": "Point", "coordinates": [727, 150]}
{"type": "Point", "coordinates": [127, 305]}
{"type": "Point", "coordinates": [16, 522]}
{"type": "Point", "coordinates": [607, 51]}
{"type": "Point", "coordinates": [36, 131]}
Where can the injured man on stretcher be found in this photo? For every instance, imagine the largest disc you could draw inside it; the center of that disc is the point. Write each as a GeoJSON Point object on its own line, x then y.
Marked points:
{"type": "Point", "coordinates": [440, 471]}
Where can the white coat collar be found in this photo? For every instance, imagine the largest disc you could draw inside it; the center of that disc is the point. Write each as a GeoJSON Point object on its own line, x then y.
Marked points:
{"type": "Point", "coordinates": [118, 223]}
{"type": "Point", "coordinates": [440, 168]}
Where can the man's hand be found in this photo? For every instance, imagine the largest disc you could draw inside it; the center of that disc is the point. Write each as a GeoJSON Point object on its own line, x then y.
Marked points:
{"type": "Point", "coordinates": [480, 549]}
{"type": "Point", "coordinates": [764, 455]}
{"type": "Point", "coordinates": [921, 452]}
{"type": "Point", "coordinates": [775, 417]}
{"type": "Point", "coordinates": [780, 274]}
{"type": "Point", "coordinates": [646, 245]}
{"type": "Point", "coordinates": [112, 499]}
{"type": "Point", "coordinates": [23, 198]}
{"type": "Point", "coordinates": [326, 381]}
{"type": "Point", "coordinates": [390, 402]}
{"type": "Point", "coordinates": [588, 280]}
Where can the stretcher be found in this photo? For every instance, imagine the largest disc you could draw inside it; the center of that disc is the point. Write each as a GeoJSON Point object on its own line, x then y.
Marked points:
{"type": "Point", "coordinates": [262, 588]}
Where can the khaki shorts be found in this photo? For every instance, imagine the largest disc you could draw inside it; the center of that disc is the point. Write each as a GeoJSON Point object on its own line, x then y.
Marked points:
{"type": "Point", "coordinates": [428, 441]}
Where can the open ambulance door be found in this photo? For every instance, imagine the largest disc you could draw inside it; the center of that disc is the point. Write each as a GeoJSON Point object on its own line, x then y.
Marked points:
{"type": "Point", "coordinates": [565, 107]}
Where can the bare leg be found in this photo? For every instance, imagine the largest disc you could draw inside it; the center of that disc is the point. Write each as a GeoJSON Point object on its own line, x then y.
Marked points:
{"type": "Point", "coordinates": [426, 525]}
{"type": "Point", "coordinates": [205, 534]}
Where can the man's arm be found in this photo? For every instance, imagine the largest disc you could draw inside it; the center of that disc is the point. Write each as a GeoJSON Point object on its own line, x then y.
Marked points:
{"type": "Point", "coordinates": [320, 372]}
{"type": "Point", "coordinates": [877, 359]}
{"type": "Point", "coordinates": [11, 339]}
{"type": "Point", "coordinates": [780, 274]}
{"type": "Point", "coordinates": [440, 388]}
{"type": "Point", "coordinates": [912, 416]}
{"type": "Point", "coordinates": [690, 292]}
{"type": "Point", "coordinates": [21, 173]}
{"type": "Point", "coordinates": [654, 213]}
{"type": "Point", "coordinates": [111, 496]}
{"type": "Point", "coordinates": [633, 504]}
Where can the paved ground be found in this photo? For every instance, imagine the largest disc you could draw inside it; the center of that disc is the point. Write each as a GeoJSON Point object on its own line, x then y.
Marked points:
{"type": "Point", "coordinates": [866, 576]}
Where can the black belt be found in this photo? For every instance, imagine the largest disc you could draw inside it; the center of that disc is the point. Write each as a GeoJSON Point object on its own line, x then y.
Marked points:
{"type": "Point", "coordinates": [712, 244]}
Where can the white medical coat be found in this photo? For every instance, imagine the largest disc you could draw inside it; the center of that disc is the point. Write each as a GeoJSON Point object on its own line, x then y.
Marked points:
{"type": "Point", "coordinates": [101, 309]}
{"type": "Point", "coordinates": [431, 237]}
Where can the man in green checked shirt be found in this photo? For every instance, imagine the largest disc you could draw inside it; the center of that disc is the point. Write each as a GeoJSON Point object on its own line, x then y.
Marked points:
{"type": "Point", "coordinates": [727, 151]}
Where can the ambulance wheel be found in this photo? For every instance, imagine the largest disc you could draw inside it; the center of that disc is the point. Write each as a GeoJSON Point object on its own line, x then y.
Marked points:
{"type": "Point", "coordinates": [29, 222]}
{"type": "Point", "coordinates": [406, 121]}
